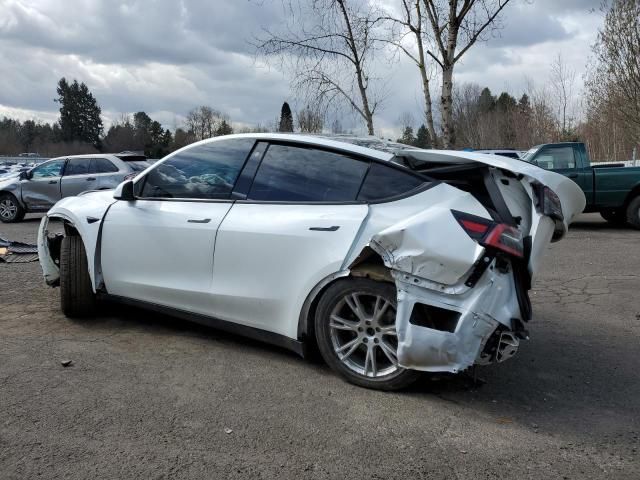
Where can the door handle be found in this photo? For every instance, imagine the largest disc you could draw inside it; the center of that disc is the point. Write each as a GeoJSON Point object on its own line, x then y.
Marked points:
{"type": "Point", "coordinates": [325, 229]}
{"type": "Point", "coordinates": [90, 179]}
{"type": "Point", "coordinates": [573, 175]}
{"type": "Point", "coordinates": [52, 182]}
{"type": "Point", "coordinates": [204, 220]}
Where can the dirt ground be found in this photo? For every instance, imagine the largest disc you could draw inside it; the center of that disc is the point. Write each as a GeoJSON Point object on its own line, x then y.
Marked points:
{"type": "Point", "coordinates": [149, 396]}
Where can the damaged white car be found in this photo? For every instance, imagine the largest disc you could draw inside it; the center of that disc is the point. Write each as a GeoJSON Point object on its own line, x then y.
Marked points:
{"type": "Point", "coordinates": [390, 261]}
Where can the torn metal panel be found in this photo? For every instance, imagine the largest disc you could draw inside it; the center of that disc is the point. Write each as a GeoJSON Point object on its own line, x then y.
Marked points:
{"type": "Point", "coordinates": [431, 244]}
{"type": "Point", "coordinates": [487, 306]}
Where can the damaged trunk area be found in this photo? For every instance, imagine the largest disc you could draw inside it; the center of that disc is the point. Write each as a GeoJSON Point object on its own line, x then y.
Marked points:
{"type": "Point", "coordinates": [461, 268]}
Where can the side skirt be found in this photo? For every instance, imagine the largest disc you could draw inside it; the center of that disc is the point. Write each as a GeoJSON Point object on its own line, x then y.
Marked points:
{"type": "Point", "coordinates": [235, 328]}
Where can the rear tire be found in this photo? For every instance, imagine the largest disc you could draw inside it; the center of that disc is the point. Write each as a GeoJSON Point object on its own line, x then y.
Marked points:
{"type": "Point", "coordinates": [10, 209]}
{"type": "Point", "coordinates": [76, 294]}
{"type": "Point", "coordinates": [614, 216]}
{"type": "Point", "coordinates": [633, 213]}
{"type": "Point", "coordinates": [361, 347]}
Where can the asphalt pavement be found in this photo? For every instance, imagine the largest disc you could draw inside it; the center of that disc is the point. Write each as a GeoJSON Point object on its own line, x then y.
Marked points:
{"type": "Point", "coordinates": [150, 396]}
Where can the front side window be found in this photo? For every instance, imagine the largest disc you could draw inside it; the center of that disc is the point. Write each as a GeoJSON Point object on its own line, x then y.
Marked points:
{"type": "Point", "coordinates": [386, 182]}
{"type": "Point", "coordinates": [77, 166]}
{"type": "Point", "coordinates": [102, 165]}
{"type": "Point", "coordinates": [49, 169]}
{"type": "Point", "coordinates": [206, 171]}
{"type": "Point", "coordinates": [556, 158]}
{"type": "Point", "coordinates": [294, 174]}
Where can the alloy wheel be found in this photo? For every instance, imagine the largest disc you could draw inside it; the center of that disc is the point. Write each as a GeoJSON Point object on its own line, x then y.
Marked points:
{"type": "Point", "coordinates": [363, 334]}
{"type": "Point", "coordinates": [8, 209]}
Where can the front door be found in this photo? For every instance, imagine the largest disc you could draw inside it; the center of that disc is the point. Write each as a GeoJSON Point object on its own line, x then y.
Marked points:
{"type": "Point", "coordinates": [159, 248]}
{"type": "Point", "coordinates": [42, 190]}
{"type": "Point", "coordinates": [294, 229]}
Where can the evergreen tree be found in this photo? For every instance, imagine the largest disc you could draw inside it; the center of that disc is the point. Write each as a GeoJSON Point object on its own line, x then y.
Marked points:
{"type": "Point", "coordinates": [79, 113]}
{"type": "Point", "coordinates": [505, 102]}
{"type": "Point", "coordinates": [407, 136]}
{"type": "Point", "coordinates": [224, 128]}
{"type": "Point", "coordinates": [486, 101]}
{"type": "Point", "coordinates": [422, 138]}
{"type": "Point", "coordinates": [286, 118]}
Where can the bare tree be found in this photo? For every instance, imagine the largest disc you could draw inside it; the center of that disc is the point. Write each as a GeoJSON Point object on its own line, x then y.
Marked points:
{"type": "Point", "coordinates": [406, 120]}
{"type": "Point", "coordinates": [562, 83]}
{"type": "Point", "coordinates": [409, 22]}
{"type": "Point", "coordinates": [310, 120]}
{"type": "Point", "coordinates": [204, 122]}
{"type": "Point", "coordinates": [615, 79]}
{"type": "Point", "coordinates": [455, 26]}
{"type": "Point", "coordinates": [329, 44]}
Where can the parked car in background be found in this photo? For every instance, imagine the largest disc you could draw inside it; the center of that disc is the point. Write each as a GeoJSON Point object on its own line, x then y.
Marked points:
{"type": "Point", "coordinates": [613, 190]}
{"type": "Point", "coordinates": [391, 262]}
{"type": "Point", "coordinates": [38, 188]}
{"type": "Point", "coordinates": [504, 153]}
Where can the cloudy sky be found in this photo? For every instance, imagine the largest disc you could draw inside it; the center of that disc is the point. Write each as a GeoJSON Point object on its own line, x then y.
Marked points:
{"type": "Point", "coordinates": [168, 56]}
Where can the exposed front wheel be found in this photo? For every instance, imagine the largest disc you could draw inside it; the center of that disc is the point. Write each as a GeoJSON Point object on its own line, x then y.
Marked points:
{"type": "Point", "coordinates": [10, 210]}
{"type": "Point", "coordinates": [356, 333]}
{"type": "Point", "coordinates": [633, 213]}
{"type": "Point", "coordinates": [76, 294]}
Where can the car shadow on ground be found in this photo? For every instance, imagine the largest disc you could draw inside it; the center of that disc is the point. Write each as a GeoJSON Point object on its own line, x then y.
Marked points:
{"type": "Point", "coordinates": [544, 388]}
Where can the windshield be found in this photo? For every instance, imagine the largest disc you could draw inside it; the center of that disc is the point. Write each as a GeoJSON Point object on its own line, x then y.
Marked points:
{"type": "Point", "coordinates": [528, 155]}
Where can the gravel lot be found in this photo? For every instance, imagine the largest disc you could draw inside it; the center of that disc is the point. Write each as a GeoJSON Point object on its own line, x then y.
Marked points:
{"type": "Point", "coordinates": [154, 397]}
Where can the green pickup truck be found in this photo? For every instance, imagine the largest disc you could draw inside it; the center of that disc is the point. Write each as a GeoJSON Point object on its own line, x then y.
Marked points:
{"type": "Point", "coordinates": [613, 190]}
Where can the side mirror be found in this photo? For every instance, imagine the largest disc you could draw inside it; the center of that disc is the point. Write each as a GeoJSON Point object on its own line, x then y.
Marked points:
{"type": "Point", "coordinates": [25, 175]}
{"type": "Point", "coordinates": [124, 191]}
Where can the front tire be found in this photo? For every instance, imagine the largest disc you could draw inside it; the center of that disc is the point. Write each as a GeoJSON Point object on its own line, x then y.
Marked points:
{"type": "Point", "coordinates": [10, 209]}
{"type": "Point", "coordinates": [355, 331]}
{"type": "Point", "coordinates": [76, 294]}
{"type": "Point", "coordinates": [633, 213]}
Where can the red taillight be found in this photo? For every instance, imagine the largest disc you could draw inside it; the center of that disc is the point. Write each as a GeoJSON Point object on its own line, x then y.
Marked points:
{"type": "Point", "coordinates": [491, 234]}
{"type": "Point", "coordinates": [505, 238]}
{"type": "Point", "coordinates": [475, 227]}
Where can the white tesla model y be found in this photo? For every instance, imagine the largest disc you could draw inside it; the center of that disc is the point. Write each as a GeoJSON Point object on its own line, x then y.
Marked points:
{"type": "Point", "coordinates": [389, 260]}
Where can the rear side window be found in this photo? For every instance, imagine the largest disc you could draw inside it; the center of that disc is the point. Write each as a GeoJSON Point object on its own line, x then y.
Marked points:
{"type": "Point", "coordinates": [102, 165]}
{"type": "Point", "coordinates": [294, 174]}
{"type": "Point", "coordinates": [207, 171]}
{"type": "Point", "coordinates": [385, 182]}
{"type": "Point", "coordinates": [77, 166]}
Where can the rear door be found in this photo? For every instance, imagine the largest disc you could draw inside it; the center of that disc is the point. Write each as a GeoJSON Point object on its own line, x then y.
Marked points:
{"type": "Point", "coordinates": [294, 228]}
{"type": "Point", "coordinates": [77, 178]}
{"type": "Point", "coordinates": [42, 189]}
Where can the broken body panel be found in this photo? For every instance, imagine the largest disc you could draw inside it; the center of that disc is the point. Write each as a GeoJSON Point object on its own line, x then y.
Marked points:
{"type": "Point", "coordinates": [439, 270]}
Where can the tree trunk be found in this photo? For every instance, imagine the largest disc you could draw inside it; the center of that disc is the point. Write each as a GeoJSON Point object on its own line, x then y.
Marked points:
{"type": "Point", "coordinates": [448, 129]}
{"type": "Point", "coordinates": [428, 108]}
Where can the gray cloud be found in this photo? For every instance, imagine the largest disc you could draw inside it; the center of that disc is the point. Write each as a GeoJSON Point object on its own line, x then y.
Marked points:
{"type": "Point", "coordinates": [167, 56]}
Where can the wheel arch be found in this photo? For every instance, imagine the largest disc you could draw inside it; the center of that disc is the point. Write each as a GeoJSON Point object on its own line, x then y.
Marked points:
{"type": "Point", "coordinates": [14, 191]}
{"type": "Point", "coordinates": [635, 192]}
{"type": "Point", "coordinates": [368, 264]}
